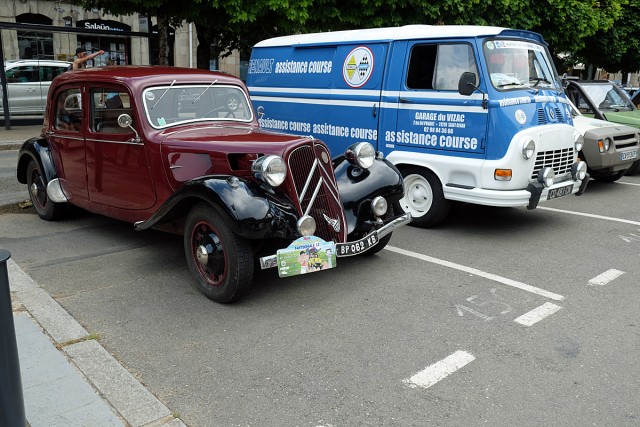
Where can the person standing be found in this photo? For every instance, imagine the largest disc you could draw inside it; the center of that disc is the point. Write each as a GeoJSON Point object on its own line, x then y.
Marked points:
{"type": "Point", "coordinates": [82, 57]}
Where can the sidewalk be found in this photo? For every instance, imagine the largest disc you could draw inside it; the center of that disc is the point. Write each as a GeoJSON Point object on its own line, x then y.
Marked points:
{"type": "Point", "coordinates": [68, 378]}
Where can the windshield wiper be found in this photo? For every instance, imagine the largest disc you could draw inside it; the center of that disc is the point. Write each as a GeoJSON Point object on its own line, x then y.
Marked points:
{"type": "Point", "coordinates": [510, 84]}
{"type": "Point", "coordinates": [163, 93]}
{"type": "Point", "coordinates": [206, 89]}
{"type": "Point", "coordinates": [538, 80]}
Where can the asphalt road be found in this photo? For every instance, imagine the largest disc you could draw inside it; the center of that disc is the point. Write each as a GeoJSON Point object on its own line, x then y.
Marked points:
{"type": "Point", "coordinates": [497, 317]}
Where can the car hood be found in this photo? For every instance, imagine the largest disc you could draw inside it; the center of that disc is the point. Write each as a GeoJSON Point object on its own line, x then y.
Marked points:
{"type": "Point", "coordinates": [586, 124]}
{"type": "Point", "coordinates": [231, 139]}
{"type": "Point", "coordinates": [631, 118]}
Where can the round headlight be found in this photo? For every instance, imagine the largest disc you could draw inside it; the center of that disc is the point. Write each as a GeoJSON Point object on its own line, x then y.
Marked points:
{"type": "Point", "coordinates": [578, 141]}
{"type": "Point", "coordinates": [362, 154]}
{"type": "Point", "coordinates": [579, 171]}
{"type": "Point", "coordinates": [270, 169]}
{"type": "Point", "coordinates": [607, 144]}
{"type": "Point", "coordinates": [379, 206]}
{"type": "Point", "coordinates": [306, 225]}
{"type": "Point", "coordinates": [528, 148]}
{"type": "Point", "coordinates": [545, 176]}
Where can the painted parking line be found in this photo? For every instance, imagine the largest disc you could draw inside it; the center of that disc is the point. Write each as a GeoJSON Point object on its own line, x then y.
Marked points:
{"type": "Point", "coordinates": [440, 370]}
{"type": "Point", "coordinates": [628, 183]}
{"type": "Point", "coordinates": [471, 270]}
{"type": "Point", "coordinates": [537, 314]}
{"type": "Point", "coordinates": [608, 218]}
{"type": "Point", "coordinates": [606, 277]}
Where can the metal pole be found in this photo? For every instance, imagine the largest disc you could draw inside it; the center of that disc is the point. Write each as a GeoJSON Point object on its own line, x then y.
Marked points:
{"type": "Point", "coordinates": [11, 398]}
{"type": "Point", "coordinates": [3, 84]}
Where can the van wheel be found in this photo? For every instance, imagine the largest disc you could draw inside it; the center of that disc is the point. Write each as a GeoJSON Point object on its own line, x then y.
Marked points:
{"type": "Point", "coordinates": [221, 261]}
{"type": "Point", "coordinates": [634, 169]}
{"type": "Point", "coordinates": [37, 185]}
{"type": "Point", "coordinates": [423, 197]}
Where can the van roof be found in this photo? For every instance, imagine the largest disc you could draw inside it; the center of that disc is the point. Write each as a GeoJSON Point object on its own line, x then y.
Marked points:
{"type": "Point", "coordinates": [406, 32]}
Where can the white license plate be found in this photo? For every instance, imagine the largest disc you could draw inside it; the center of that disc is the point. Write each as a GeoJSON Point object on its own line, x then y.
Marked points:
{"type": "Point", "coordinates": [357, 247]}
{"type": "Point", "coordinates": [560, 192]}
{"type": "Point", "coordinates": [628, 155]}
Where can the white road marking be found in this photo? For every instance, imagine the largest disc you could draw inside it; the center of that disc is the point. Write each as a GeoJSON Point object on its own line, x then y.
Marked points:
{"type": "Point", "coordinates": [471, 270]}
{"type": "Point", "coordinates": [606, 277]}
{"type": "Point", "coordinates": [440, 370]}
{"type": "Point", "coordinates": [627, 183]}
{"type": "Point", "coordinates": [608, 218]}
{"type": "Point", "coordinates": [537, 314]}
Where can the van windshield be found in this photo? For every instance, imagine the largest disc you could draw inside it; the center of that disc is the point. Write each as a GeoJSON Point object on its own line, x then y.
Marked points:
{"type": "Point", "coordinates": [516, 64]}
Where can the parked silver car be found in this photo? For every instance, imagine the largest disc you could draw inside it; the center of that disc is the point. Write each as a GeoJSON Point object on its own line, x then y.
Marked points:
{"type": "Point", "coordinates": [28, 82]}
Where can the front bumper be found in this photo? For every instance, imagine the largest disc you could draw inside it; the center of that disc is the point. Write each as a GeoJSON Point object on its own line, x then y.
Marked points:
{"type": "Point", "coordinates": [353, 248]}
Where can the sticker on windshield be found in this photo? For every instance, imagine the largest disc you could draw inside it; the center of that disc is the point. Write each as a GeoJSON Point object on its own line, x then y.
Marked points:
{"type": "Point", "coordinates": [358, 66]}
{"type": "Point", "coordinates": [150, 96]}
{"type": "Point", "coordinates": [490, 45]}
{"type": "Point", "coordinates": [514, 44]}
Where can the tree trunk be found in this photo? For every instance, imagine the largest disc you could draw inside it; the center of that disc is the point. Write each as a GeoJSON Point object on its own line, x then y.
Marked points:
{"type": "Point", "coordinates": [203, 52]}
{"type": "Point", "coordinates": [163, 39]}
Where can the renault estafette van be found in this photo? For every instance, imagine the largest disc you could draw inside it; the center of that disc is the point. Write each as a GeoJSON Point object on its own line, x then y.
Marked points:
{"type": "Point", "coordinates": [467, 113]}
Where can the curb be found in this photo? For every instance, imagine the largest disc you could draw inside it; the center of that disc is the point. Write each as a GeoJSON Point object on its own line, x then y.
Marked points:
{"type": "Point", "coordinates": [107, 377]}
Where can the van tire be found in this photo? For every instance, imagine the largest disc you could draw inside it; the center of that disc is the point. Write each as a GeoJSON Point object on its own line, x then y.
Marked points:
{"type": "Point", "coordinates": [423, 197]}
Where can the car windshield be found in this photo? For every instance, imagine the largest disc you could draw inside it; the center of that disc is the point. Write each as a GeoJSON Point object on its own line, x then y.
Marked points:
{"type": "Point", "coordinates": [176, 104]}
{"type": "Point", "coordinates": [515, 64]}
{"type": "Point", "coordinates": [608, 96]}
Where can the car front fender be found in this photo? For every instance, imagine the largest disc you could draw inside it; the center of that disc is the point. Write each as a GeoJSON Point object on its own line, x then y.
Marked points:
{"type": "Point", "coordinates": [253, 211]}
{"type": "Point", "coordinates": [358, 187]}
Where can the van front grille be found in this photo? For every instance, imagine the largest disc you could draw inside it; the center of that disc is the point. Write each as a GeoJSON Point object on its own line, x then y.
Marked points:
{"type": "Point", "coordinates": [559, 160]}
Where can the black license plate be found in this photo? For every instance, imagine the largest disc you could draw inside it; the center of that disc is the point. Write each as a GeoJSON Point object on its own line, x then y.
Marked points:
{"type": "Point", "coordinates": [560, 192]}
{"type": "Point", "coordinates": [357, 247]}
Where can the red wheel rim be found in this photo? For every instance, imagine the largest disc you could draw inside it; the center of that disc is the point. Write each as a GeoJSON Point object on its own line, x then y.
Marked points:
{"type": "Point", "coordinates": [208, 254]}
{"type": "Point", "coordinates": [38, 190]}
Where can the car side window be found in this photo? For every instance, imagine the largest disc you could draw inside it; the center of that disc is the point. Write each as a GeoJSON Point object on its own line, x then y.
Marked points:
{"type": "Point", "coordinates": [48, 72]}
{"type": "Point", "coordinates": [106, 106]}
{"type": "Point", "coordinates": [23, 74]}
{"type": "Point", "coordinates": [69, 110]}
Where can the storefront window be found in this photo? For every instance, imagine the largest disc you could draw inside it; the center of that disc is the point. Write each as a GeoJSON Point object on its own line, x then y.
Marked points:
{"type": "Point", "coordinates": [34, 44]}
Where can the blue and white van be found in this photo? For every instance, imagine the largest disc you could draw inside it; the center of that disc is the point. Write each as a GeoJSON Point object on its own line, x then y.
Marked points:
{"type": "Point", "coordinates": [467, 113]}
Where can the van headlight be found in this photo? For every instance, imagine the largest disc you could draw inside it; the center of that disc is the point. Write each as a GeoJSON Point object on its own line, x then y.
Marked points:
{"type": "Point", "coordinates": [579, 171]}
{"type": "Point", "coordinates": [362, 154]}
{"type": "Point", "coordinates": [578, 141]}
{"type": "Point", "coordinates": [528, 148]}
{"type": "Point", "coordinates": [546, 176]}
{"type": "Point", "coordinates": [270, 169]}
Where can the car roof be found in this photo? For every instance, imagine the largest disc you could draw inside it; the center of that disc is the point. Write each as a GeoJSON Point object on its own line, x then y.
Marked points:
{"type": "Point", "coordinates": [140, 76]}
{"type": "Point", "coordinates": [16, 62]}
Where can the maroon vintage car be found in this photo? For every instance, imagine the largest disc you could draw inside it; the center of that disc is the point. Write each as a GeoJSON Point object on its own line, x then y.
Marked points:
{"type": "Point", "coordinates": [181, 150]}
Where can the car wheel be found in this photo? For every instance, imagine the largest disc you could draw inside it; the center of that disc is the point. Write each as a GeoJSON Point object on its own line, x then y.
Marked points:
{"type": "Point", "coordinates": [423, 197]}
{"type": "Point", "coordinates": [37, 185]}
{"type": "Point", "coordinates": [608, 178]}
{"type": "Point", "coordinates": [221, 261]}
{"type": "Point", "coordinates": [634, 169]}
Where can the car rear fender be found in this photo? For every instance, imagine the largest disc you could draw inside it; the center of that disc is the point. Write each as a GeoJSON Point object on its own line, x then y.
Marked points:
{"type": "Point", "coordinates": [253, 211]}
{"type": "Point", "coordinates": [35, 149]}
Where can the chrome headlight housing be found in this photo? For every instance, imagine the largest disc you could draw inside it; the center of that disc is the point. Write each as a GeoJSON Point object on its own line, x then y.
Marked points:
{"type": "Point", "coordinates": [546, 176]}
{"type": "Point", "coordinates": [270, 169]}
{"type": "Point", "coordinates": [579, 171]}
{"type": "Point", "coordinates": [379, 206]}
{"type": "Point", "coordinates": [578, 141]}
{"type": "Point", "coordinates": [528, 147]}
{"type": "Point", "coordinates": [306, 225]}
{"type": "Point", "coordinates": [362, 154]}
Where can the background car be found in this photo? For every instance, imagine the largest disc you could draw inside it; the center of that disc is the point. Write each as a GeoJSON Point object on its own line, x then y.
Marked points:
{"type": "Point", "coordinates": [605, 100]}
{"type": "Point", "coordinates": [609, 149]}
{"type": "Point", "coordinates": [28, 82]}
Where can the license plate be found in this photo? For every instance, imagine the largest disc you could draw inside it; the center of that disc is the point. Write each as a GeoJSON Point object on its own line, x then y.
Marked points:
{"type": "Point", "coordinates": [628, 155]}
{"type": "Point", "coordinates": [357, 247]}
{"type": "Point", "coordinates": [306, 255]}
{"type": "Point", "coordinates": [559, 192]}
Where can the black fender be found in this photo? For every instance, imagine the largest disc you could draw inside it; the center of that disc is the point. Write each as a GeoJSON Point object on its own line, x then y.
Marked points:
{"type": "Point", "coordinates": [35, 149]}
{"type": "Point", "coordinates": [253, 211]}
{"type": "Point", "coordinates": [358, 187]}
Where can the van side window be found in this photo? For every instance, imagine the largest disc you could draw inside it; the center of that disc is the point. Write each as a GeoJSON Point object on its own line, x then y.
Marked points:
{"type": "Point", "coordinates": [439, 67]}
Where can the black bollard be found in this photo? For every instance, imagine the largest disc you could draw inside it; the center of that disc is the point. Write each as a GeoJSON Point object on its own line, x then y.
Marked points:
{"type": "Point", "coordinates": [11, 398]}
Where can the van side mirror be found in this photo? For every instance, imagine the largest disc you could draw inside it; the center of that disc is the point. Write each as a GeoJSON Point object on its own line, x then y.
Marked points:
{"type": "Point", "coordinates": [467, 83]}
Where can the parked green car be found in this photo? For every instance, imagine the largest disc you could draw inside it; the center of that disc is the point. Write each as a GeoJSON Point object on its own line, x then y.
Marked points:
{"type": "Point", "coordinates": [605, 100]}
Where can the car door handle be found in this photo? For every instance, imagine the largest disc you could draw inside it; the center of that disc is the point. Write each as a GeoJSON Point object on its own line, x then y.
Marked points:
{"type": "Point", "coordinates": [405, 100]}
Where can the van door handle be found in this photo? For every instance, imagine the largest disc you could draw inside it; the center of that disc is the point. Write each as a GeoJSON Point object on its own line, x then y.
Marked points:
{"type": "Point", "coordinates": [405, 101]}
{"type": "Point", "coordinates": [374, 112]}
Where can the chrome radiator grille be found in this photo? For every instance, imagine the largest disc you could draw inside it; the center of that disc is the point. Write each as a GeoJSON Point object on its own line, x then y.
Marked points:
{"type": "Point", "coordinates": [559, 160]}
{"type": "Point", "coordinates": [316, 190]}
